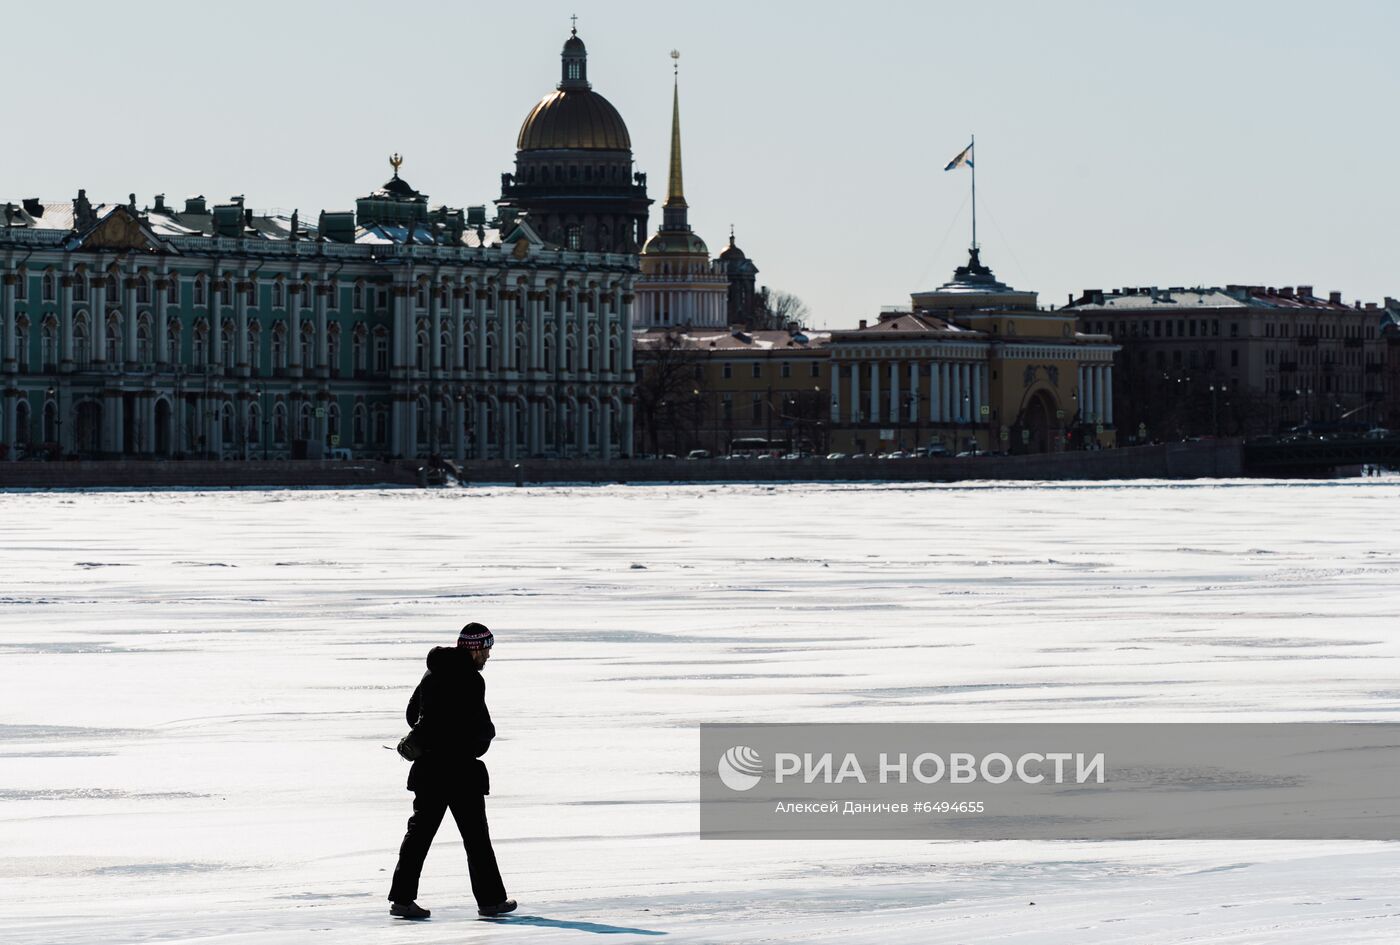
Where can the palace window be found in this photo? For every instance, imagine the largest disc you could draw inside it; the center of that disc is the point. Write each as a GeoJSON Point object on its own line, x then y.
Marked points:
{"type": "Point", "coordinates": [757, 408]}
{"type": "Point", "coordinates": [79, 288]}
{"type": "Point", "coordinates": [786, 370]}
{"type": "Point", "coordinates": [48, 287]}
{"type": "Point", "coordinates": [756, 369]}
{"type": "Point", "coordinates": [143, 290]}
{"type": "Point", "coordinates": [357, 297]}
{"type": "Point", "coordinates": [172, 290]}
{"type": "Point", "coordinates": [200, 291]}
{"type": "Point", "coordinates": [279, 294]}
{"type": "Point", "coordinates": [381, 351]}
{"type": "Point", "coordinates": [726, 370]}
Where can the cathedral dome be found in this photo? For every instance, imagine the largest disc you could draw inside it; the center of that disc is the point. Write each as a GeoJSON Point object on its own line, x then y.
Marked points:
{"type": "Point", "coordinates": [574, 118]}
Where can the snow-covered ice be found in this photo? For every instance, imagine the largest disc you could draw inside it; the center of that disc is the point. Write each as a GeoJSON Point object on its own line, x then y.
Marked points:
{"type": "Point", "coordinates": [195, 688]}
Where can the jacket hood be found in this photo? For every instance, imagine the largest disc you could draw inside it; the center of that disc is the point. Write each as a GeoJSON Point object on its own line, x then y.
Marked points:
{"type": "Point", "coordinates": [445, 659]}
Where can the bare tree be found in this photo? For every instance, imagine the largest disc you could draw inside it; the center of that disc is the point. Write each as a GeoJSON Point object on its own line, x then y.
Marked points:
{"type": "Point", "coordinates": [670, 390]}
{"type": "Point", "coordinates": [778, 309]}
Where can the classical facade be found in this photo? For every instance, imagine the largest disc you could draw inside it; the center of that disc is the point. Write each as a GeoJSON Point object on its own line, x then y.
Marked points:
{"type": "Point", "coordinates": [971, 365]}
{"type": "Point", "coordinates": [1241, 359]}
{"type": "Point", "coordinates": [573, 168]}
{"type": "Point", "coordinates": [392, 330]}
{"type": "Point", "coordinates": [713, 389]}
{"type": "Point", "coordinates": [680, 284]}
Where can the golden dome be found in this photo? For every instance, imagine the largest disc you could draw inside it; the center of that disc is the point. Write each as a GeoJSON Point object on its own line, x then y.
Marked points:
{"type": "Point", "coordinates": [676, 243]}
{"type": "Point", "coordinates": [575, 119]}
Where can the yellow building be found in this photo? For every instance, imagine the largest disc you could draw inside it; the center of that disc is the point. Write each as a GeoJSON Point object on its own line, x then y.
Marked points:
{"type": "Point", "coordinates": [971, 365]}
{"type": "Point", "coordinates": [730, 390]}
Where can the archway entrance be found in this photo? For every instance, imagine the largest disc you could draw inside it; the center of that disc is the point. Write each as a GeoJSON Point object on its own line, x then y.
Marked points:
{"type": "Point", "coordinates": [1040, 423]}
{"type": "Point", "coordinates": [162, 427]}
{"type": "Point", "coordinates": [87, 433]}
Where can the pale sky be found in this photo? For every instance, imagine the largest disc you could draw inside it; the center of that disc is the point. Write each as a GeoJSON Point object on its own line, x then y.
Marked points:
{"type": "Point", "coordinates": [1119, 143]}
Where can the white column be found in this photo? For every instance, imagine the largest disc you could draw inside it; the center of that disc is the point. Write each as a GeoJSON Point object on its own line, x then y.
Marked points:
{"type": "Point", "coordinates": [950, 402]}
{"type": "Point", "coordinates": [1100, 401]}
{"type": "Point", "coordinates": [483, 442]}
{"type": "Point", "coordinates": [323, 296]}
{"type": "Point", "coordinates": [435, 353]}
{"type": "Point", "coordinates": [1108, 394]}
{"type": "Point", "coordinates": [605, 429]}
{"type": "Point", "coordinates": [977, 370]}
{"type": "Point", "coordinates": [835, 392]}
{"type": "Point", "coordinates": [65, 315]}
{"type": "Point", "coordinates": [97, 319]}
{"type": "Point", "coordinates": [459, 422]}
{"type": "Point", "coordinates": [875, 412]}
{"type": "Point", "coordinates": [913, 391]}
{"type": "Point", "coordinates": [935, 400]}
{"type": "Point", "coordinates": [1079, 394]}
{"type": "Point", "coordinates": [240, 328]}
{"type": "Point", "coordinates": [7, 343]}
{"type": "Point", "coordinates": [1088, 394]}
{"type": "Point", "coordinates": [129, 329]}
{"type": "Point", "coordinates": [294, 332]}
{"type": "Point", "coordinates": [458, 339]}
{"type": "Point", "coordinates": [855, 392]}
{"type": "Point", "coordinates": [964, 392]}
{"type": "Point", "coordinates": [894, 393]}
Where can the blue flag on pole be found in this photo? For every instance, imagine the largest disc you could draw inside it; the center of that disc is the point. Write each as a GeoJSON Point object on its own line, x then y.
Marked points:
{"type": "Point", "coordinates": [964, 157]}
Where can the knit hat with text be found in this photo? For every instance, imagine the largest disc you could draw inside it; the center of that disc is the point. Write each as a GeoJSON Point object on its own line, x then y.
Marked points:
{"type": "Point", "coordinates": [475, 636]}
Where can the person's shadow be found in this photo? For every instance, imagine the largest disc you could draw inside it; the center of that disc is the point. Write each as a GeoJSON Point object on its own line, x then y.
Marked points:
{"type": "Point", "coordinates": [569, 924]}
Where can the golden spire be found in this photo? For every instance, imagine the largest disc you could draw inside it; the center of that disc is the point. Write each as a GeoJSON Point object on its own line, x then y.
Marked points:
{"type": "Point", "coordinates": [396, 161]}
{"type": "Point", "coordinates": [675, 190]}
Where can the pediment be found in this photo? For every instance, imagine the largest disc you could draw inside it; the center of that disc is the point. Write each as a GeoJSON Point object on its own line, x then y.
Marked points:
{"type": "Point", "coordinates": [123, 231]}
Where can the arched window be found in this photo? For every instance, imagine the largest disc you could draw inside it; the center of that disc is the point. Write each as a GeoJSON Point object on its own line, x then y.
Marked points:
{"type": "Point", "coordinates": [304, 421]}
{"type": "Point", "coordinates": [279, 294]}
{"type": "Point", "coordinates": [575, 236]}
{"type": "Point", "coordinates": [333, 348]}
{"type": "Point", "coordinates": [172, 340]}
{"type": "Point", "coordinates": [82, 344]}
{"type": "Point", "coordinates": [114, 337]}
{"type": "Point", "coordinates": [381, 350]}
{"type": "Point", "coordinates": [201, 291]}
{"type": "Point", "coordinates": [333, 419]}
{"type": "Point", "coordinates": [48, 292]}
{"type": "Point", "coordinates": [279, 423]}
{"type": "Point", "coordinates": [145, 350]}
{"type": "Point", "coordinates": [359, 424]}
{"type": "Point", "coordinates": [381, 426]}
{"type": "Point", "coordinates": [279, 346]}
{"type": "Point", "coordinates": [254, 423]}
{"type": "Point", "coordinates": [308, 338]}
{"type": "Point", "coordinates": [420, 350]}
{"type": "Point", "coordinates": [358, 354]}
{"type": "Point", "coordinates": [255, 345]}
{"type": "Point", "coordinates": [226, 336]}
{"type": "Point", "coordinates": [199, 348]}
{"type": "Point", "coordinates": [48, 343]}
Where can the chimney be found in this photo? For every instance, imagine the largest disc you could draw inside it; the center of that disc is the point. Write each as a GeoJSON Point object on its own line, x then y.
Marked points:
{"type": "Point", "coordinates": [1071, 299]}
{"type": "Point", "coordinates": [1335, 298]}
{"type": "Point", "coordinates": [195, 205]}
{"type": "Point", "coordinates": [1286, 291]}
{"type": "Point", "coordinates": [862, 323]}
{"type": "Point", "coordinates": [160, 204]}
{"type": "Point", "coordinates": [33, 207]}
{"type": "Point", "coordinates": [1305, 291]}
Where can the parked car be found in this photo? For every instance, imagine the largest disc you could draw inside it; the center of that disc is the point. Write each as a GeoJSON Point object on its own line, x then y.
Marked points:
{"type": "Point", "coordinates": [935, 450]}
{"type": "Point", "coordinates": [835, 455]}
{"type": "Point", "coordinates": [969, 453]}
{"type": "Point", "coordinates": [698, 454]}
{"type": "Point", "coordinates": [1378, 433]}
{"type": "Point", "coordinates": [339, 452]}
{"type": "Point", "coordinates": [897, 454]}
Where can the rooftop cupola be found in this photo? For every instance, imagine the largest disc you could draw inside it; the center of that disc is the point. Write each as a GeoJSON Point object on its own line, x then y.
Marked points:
{"type": "Point", "coordinates": [574, 68]}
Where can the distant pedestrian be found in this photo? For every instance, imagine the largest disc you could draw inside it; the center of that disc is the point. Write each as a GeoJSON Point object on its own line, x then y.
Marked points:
{"type": "Point", "coordinates": [448, 715]}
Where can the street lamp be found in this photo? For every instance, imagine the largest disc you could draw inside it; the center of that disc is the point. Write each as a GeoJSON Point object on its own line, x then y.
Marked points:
{"type": "Point", "coordinates": [52, 394]}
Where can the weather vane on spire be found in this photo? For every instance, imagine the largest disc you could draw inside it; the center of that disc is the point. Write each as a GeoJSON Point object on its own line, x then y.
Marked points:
{"type": "Point", "coordinates": [676, 56]}
{"type": "Point", "coordinates": [573, 20]}
{"type": "Point", "coordinates": [396, 161]}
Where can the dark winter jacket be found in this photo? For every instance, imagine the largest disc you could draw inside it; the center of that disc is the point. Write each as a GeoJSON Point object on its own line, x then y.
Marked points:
{"type": "Point", "coordinates": [448, 711]}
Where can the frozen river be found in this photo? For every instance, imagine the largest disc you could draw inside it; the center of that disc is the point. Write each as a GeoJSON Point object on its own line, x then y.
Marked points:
{"type": "Point", "coordinates": [195, 688]}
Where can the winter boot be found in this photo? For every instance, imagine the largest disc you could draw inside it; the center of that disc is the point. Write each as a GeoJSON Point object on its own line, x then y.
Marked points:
{"type": "Point", "coordinates": [500, 908]}
{"type": "Point", "coordinates": [410, 910]}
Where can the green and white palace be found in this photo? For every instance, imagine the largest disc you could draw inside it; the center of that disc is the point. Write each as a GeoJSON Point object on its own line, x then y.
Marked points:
{"type": "Point", "coordinates": [393, 330]}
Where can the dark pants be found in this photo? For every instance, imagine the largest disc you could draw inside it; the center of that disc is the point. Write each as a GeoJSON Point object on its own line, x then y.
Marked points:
{"type": "Point", "coordinates": [469, 810]}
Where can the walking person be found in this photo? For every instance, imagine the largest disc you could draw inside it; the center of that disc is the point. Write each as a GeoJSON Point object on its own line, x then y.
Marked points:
{"type": "Point", "coordinates": [448, 715]}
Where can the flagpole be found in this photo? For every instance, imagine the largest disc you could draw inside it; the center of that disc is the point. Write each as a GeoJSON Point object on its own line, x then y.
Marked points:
{"type": "Point", "coordinates": [972, 148]}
